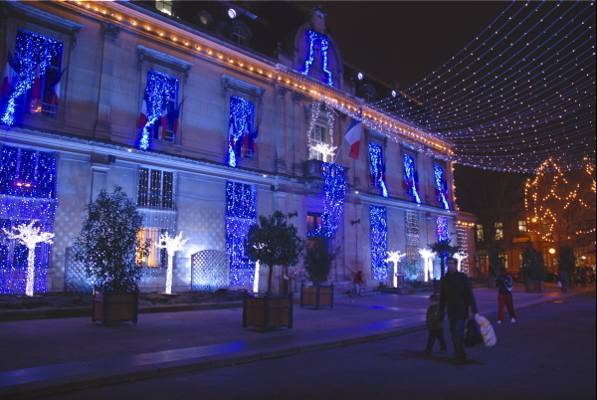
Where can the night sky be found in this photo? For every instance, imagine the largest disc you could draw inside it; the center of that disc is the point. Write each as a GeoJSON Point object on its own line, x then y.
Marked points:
{"type": "Point", "coordinates": [403, 41]}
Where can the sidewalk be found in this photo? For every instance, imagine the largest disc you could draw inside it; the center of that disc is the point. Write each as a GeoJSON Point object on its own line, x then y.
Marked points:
{"type": "Point", "coordinates": [63, 353]}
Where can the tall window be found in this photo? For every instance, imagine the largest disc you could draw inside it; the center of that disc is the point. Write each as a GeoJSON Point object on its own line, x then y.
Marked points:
{"type": "Point", "coordinates": [158, 119]}
{"type": "Point", "coordinates": [164, 6]}
{"type": "Point", "coordinates": [155, 189]}
{"type": "Point", "coordinates": [479, 233]}
{"type": "Point", "coordinates": [155, 257]}
{"type": "Point", "coordinates": [320, 136]}
{"type": "Point", "coordinates": [498, 229]}
{"type": "Point", "coordinates": [522, 225]}
{"type": "Point", "coordinates": [241, 130]}
{"type": "Point", "coordinates": [32, 77]}
{"type": "Point", "coordinates": [377, 168]}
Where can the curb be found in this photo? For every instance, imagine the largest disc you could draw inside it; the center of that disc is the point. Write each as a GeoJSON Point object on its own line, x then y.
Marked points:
{"type": "Point", "coordinates": [86, 311]}
{"type": "Point", "coordinates": [68, 384]}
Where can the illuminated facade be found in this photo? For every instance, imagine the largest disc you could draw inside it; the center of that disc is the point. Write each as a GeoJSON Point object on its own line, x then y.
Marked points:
{"type": "Point", "coordinates": [206, 135]}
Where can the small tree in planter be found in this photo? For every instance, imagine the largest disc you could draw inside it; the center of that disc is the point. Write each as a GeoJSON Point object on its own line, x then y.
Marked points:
{"type": "Point", "coordinates": [318, 264]}
{"type": "Point", "coordinates": [273, 241]}
{"type": "Point", "coordinates": [567, 267]}
{"type": "Point", "coordinates": [443, 249]}
{"type": "Point", "coordinates": [111, 252]}
{"type": "Point", "coordinates": [533, 269]}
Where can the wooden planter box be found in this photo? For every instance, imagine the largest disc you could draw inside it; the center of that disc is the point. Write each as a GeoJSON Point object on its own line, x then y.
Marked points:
{"type": "Point", "coordinates": [110, 308]}
{"type": "Point", "coordinates": [316, 296]}
{"type": "Point", "coordinates": [267, 312]}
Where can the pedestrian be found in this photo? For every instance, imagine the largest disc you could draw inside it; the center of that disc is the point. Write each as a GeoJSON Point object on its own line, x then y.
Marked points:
{"type": "Point", "coordinates": [504, 286]}
{"type": "Point", "coordinates": [358, 282]}
{"type": "Point", "coordinates": [435, 326]}
{"type": "Point", "coordinates": [456, 295]}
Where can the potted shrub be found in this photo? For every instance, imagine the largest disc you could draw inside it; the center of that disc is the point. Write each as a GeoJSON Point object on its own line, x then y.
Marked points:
{"type": "Point", "coordinates": [533, 269]}
{"type": "Point", "coordinates": [318, 264]}
{"type": "Point", "coordinates": [272, 242]}
{"type": "Point", "coordinates": [109, 249]}
{"type": "Point", "coordinates": [443, 249]}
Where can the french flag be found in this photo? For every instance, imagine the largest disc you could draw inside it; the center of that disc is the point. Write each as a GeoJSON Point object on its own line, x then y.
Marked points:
{"type": "Point", "coordinates": [9, 78]}
{"type": "Point", "coordinates": [169, 120]}
{"type": "Point", "coordinates": [54, 95]}
{"type": "Point", "coordinates": [353, 138]}
{"type": "Point", "coordinates": [142, 120]}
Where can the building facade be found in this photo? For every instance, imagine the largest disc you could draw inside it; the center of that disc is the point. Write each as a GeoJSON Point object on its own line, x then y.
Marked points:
{"type": "Point", "coordinates": [205, 136]}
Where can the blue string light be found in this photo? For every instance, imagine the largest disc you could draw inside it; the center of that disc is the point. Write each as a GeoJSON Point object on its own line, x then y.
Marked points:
{"type": "Point", "coordinates": [27, 192]}
{"type": "Point", "coordinates": [441, 229]}
{"type": "Point", "coordinates": [410, 177]}
{"type": "Point", "coordinates": [313, 38]}
{"type": "Point", "coordinates": [33, 55]}
{"type": "Point", "coordinates": [240, 127]}
{"type": "Point", "coordinates": [441, 186]}
{"type": "Point", "coordinates": [379, 242]}
{"type": "Point", "coordinates": [521, 91]}
{"type": "Point", "coordinates": [334, 190]}
{"type": "Point", "coordinates": [159, 90]}
{"type": "Point", "coordinates": [377, 168]}
{"type": "Point", "coordinates": [241, 214]}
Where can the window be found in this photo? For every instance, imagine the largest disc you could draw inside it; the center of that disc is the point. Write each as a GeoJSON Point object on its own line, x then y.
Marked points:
{"type": "Point", "coordinates": [155, 257]}
{"type": "Point", "coordinates": [241, 131]}
{"type": "Point", "coordinates": [164, 6]}
{"type": "Point", "coordinates": [377, 168]}
{"type": "Point", "coordinates": [155, 189]}
{"type": "Point", "coordinates": [159, 115]}
{"type": "Point", "coordinates": [480, 233]}
{"type": "Point", "coordinates": [39, 58]}
{"type": "Point", "coordinates": [27, 173]}
{"type": "Point", "coordinates": [522, 225]}
{"type": "Point", "coordinates": [313, 221]}
{"type": "Point", "coordinates": [498, 228]}
{"type": "Point", "coordinates": [321, 140]}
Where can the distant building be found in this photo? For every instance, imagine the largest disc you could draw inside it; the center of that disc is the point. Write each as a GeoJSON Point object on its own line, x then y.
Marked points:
{"type": "Point", "coordinates": [206, 122]}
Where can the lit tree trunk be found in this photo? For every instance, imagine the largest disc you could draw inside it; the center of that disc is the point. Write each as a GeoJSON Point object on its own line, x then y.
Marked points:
{"type": "Point", "coordinates": [169, 273]}
{"type": "Point", "coordinates": [269, 279]}
{"type": "Point", "coordinates": [30, 271]}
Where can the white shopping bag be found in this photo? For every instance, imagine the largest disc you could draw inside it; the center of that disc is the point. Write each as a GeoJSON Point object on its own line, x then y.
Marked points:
{"type": "Point", "coordinates": [487, 331]}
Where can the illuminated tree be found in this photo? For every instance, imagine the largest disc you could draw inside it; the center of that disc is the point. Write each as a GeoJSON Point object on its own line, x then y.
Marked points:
{"type": "Point", "coordinates": [172, 244]}
{"type": "Point", "coordinates": [29, 235]}
{"type": "Point", "coordinates": [560, 204]}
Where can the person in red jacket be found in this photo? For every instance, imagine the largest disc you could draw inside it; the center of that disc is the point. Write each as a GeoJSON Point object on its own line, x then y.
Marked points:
{"type": "Point", "coordinates": [504, 286]}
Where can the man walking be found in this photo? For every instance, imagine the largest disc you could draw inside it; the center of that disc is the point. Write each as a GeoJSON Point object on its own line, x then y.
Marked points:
{"type": "Point", "coordinates": [457, 296]}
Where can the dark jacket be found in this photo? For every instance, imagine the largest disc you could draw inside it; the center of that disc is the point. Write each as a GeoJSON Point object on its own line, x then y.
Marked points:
{"type": "Point", "coordinates": [433, 320]}
{"type": "Point", "coordinates": [504, 284]}
{"type": "Point", "coordinates": [457, 296]}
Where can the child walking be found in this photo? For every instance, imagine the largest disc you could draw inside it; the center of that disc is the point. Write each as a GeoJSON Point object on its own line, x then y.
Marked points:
{"type": "Point", "coordinates": [435, 326]}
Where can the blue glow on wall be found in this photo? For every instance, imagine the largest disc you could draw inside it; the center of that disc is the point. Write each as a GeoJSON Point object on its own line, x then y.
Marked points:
{"type": "Point", "coordinates": [441, 229]}
{"type": "Point", "coordinates": [410, 177]}
{"type": "Point", "coordinates": [27, 192]}
{"type": "Point", "coordinates": [241, 133]}
{"type": "Point", "coordinates": [160, 89]}
{"type": "Point", "coordinates": [314, 39]}
{"type": "Point", "coordinates": [379, 242]}
{"type": "Point", "coordinates": [377, 169]}
{"type": "Point", "coordinates": [441, 187]}
{"type": "Point", "coordinates": [32, 56]}
{"type": "Point", "coordinates": [241, 214]}
{"type": "Point", "coordinates": [334, 191]}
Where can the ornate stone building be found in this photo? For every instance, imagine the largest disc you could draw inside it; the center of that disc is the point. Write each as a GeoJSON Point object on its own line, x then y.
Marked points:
{"type": "Point", "coordinates": [205, 133]}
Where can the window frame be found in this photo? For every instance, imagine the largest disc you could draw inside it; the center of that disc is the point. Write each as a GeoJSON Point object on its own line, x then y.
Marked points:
{"type": "Point", "coordinates": [498, 230]}
{"type": "Point", "coordinates": [148, 194]}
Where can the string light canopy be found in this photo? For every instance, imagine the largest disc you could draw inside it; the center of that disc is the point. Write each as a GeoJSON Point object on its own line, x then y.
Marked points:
{"type": "Point", "coordinates": [519, 92]}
